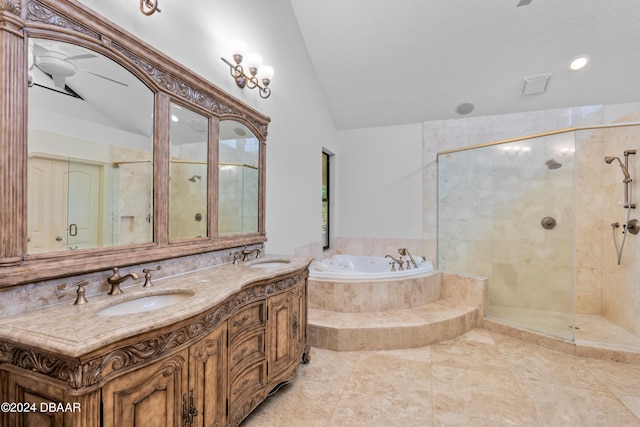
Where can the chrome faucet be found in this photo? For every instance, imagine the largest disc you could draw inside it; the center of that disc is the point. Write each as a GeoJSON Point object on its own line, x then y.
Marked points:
{"type": "Point", "coordinates": [246, 252]}
{"type": "Point", "coordinates": [115, 279]}
{"type": "Point", "coordinates": [393, 263]}
{"type": "Point", "coordinates": [405, 252]}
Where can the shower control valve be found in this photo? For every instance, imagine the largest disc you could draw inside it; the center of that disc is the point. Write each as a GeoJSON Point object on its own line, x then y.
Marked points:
{"type": "Point", "coordinates": [634, 226]}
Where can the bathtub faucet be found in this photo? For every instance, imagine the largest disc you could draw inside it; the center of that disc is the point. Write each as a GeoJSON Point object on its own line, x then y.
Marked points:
{"type": "Point", "coordinates": [393, 263]}
{"type": "Point", "coordinates": [405, 252]}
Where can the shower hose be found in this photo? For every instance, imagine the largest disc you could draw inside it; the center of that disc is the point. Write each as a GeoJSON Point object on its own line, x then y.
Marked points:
{"type": "Point", "coordinates": [626, 224]}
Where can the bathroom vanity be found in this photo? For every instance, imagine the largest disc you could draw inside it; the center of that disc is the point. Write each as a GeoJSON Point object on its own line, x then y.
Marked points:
{"type": "Point", "coordinates": [234, 334]}
{"type": "Point", "coordinates": [113, 154]}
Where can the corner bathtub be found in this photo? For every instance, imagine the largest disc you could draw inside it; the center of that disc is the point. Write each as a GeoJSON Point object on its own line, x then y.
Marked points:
{"type": "Point", "coordinates": [363, 284]}
{"type": "Point", "coordinates": [354, 267]}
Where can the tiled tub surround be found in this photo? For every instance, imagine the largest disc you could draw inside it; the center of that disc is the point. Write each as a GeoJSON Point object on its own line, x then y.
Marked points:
{"type": "Point", "coordinates": [401, 313]}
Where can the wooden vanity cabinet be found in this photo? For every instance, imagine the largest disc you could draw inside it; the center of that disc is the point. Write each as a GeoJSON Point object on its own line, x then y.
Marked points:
{"type": "Point", "coordinates": [187, 385]}
{"type": "Point", "coordinates": [208, 371]}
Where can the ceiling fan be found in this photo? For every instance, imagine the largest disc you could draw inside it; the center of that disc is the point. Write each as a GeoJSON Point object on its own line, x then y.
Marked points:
{"type": "Point", "coordinates": [59, 65]}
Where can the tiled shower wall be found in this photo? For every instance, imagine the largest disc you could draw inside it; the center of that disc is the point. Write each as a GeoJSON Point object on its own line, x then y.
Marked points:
{"type": "Point", "coordinates": [600, 199]}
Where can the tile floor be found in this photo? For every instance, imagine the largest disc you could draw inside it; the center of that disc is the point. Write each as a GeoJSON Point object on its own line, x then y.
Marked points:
{"type": "Point", "coordinates": [482, 378]}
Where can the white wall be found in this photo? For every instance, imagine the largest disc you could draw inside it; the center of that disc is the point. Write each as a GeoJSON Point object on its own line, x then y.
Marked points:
{"type": "Point", "coordinates": [197, 34]}
{"type": "Point", "coordinates": [379, 182]}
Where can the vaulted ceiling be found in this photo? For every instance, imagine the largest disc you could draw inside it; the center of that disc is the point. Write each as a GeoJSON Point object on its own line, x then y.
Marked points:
{"type": "Point", "coordinates": [383, 62]}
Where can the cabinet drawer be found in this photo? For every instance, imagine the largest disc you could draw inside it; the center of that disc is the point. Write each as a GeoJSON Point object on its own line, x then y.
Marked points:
{"type": "Point", "coordinates": [249, 317]}
{"type": "Point", "coordinates": [250, 382]}
{"type": "Point", "coordinates": [245, 349]}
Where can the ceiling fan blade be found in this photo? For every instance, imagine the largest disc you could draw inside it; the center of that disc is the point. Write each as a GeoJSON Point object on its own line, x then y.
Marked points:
{"type": "Point", "coordinates": [524, 3]}
{"type": "Point", "coordinates": [83, 56]}
{"type": "Point", "coordinates": [106, 78]}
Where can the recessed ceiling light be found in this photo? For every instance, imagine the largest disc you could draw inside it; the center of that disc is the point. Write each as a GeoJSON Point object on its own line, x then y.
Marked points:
{"type": "Point", "coordinates": [579, 62]}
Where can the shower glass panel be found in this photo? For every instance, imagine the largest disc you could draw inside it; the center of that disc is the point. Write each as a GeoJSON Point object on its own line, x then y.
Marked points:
{"type": "Point", "coordinates": [507, 211]}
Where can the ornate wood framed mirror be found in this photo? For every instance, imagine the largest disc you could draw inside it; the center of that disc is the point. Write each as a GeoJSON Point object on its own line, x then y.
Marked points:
{"type": "Point", "coordinates": [110, 151]}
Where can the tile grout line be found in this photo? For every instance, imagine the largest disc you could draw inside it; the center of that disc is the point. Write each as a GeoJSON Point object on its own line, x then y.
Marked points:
{"type": "Point", "coordinates": [343, 390]}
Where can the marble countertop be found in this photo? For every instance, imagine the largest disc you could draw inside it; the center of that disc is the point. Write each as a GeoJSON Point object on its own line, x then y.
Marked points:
{"type": "Point", "coordinates": [76, 330]}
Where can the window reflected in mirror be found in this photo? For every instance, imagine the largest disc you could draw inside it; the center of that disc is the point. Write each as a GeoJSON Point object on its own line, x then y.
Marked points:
{"type": "Point", "coordinates": [188, 174]}
{"type": "Point", "coordinates": [90, 151]}
{"type": "Point", "coordinates": [238, 179]}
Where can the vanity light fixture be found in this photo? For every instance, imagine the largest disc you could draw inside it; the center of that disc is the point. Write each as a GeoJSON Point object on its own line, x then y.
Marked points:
{"type": "Point", "coordinates": [259, 76]}
{"type": "Point", "coordinates": [149, 7]}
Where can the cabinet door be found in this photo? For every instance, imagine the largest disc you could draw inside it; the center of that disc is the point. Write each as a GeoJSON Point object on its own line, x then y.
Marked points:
{"type": "Point", "coordinates": [299, 323]}
{"type": "Point", "coordinates": [281, 333]}
{"type": "Point", "coordinates": [149, 397]}
{"type": "Point", "coordinates": [46, 405]}
{"type": "Point", "coordinates": [207, 378]}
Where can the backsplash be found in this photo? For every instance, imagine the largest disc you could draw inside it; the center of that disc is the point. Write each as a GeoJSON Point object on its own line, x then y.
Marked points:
{"type": "Point", "coordinates": [41, 294]}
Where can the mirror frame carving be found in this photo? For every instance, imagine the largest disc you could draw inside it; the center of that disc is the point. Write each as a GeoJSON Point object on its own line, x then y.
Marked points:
{"type": "Point", "coordinates": [73, 22]}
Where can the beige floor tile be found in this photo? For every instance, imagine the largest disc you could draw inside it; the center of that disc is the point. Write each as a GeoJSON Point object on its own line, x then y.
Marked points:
{"type": "Point", "coordinates": [381, 376]}
{"type": "Point", "coordinates": [480, 379]}
{"type": "Point", "coordinates": [567, 406]}
{"type": "Point", "coordinates": [469, 354]}
{"type": "Point", "coordinates": [482, 395]}
{"type": "Point", "coordinates": [359, 409]}
{"type": "Point", "coordinates": [301, 403]}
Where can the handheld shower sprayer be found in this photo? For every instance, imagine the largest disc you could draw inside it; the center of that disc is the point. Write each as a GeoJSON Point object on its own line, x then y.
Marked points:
{"type": "Point", "coordinates": [609, 159]}
{"type": "Point", "coordinates": [630, 226]}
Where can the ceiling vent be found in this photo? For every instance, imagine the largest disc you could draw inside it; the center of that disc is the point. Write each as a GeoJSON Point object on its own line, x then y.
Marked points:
{"type": "Point", "coordinates": [534, 85]}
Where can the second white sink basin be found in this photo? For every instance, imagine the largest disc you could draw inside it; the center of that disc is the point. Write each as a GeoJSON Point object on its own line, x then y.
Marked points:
{"type": "Point", "coordinates": [145, 303]}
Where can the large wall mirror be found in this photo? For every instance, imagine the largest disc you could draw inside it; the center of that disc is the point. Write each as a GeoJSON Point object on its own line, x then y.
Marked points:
{"type": "Point", "coordinates": [90, 151]}
{"type": "Point", "coordinates": [114, 154]}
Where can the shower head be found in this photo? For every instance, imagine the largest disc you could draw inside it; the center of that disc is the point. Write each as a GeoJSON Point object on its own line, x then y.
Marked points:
{"type": "Point", "coordinates": [625, 172]}
{"type": "Point", "coordinates": [194, 177]}
{"type": "Point", "coordinates": [553, 164]}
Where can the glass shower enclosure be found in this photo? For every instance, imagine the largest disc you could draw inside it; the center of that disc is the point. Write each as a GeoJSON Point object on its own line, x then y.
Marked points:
{"type": "Point", "coordinates": [507, 211]}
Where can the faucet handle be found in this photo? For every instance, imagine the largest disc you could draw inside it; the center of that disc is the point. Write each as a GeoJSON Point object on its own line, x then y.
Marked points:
{"type": "Point", "coordinates": [236, 256]}
{"type": "Point", "coordinates": [147, 276]}
{"type": "Point", "coordinates": [80, 298]}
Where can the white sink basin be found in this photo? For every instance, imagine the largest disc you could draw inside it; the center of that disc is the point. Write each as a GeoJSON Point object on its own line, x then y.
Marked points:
{"type": "Point", "coordinates": [270, 263]}
{"type": "Point", "coordinates": [145, 303]}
